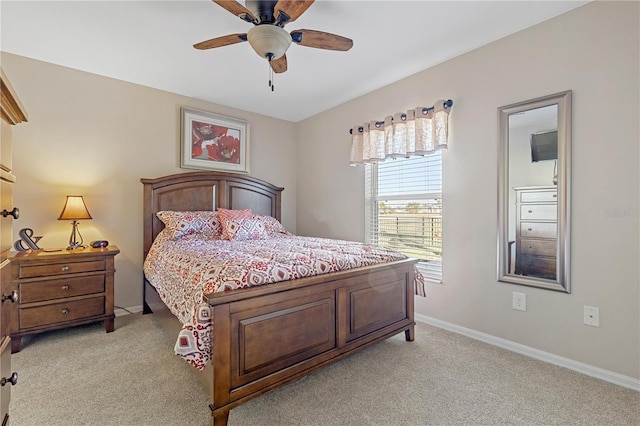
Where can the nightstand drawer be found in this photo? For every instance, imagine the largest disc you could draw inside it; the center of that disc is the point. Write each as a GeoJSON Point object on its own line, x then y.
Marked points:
{"type": "Point", "coordinates": [60, 288]}
{"type": "Point", "coordinates": [61, 312]}
{"type": "Point", "coordinates": [30, 271]}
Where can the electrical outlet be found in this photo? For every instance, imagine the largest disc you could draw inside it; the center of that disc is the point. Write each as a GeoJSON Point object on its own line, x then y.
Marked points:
{"type": "Point", "coordinates": [592, 316]}
{"type": "Point", "coordinates": [519, 301]}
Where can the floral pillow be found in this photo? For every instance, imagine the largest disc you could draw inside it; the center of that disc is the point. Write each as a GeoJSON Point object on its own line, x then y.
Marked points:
{"type": "Point", "coordinates": [226, 216]}
{"type": "Point", "coordinates": [182, 223]}
{"type": "Point", "coordinates": [272, 226]}
{"type": "Point", "coordinates": [245, 229]}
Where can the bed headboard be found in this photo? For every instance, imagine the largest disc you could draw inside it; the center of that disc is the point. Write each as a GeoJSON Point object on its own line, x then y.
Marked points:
{"type": "Point", "coordinates": [205, 191]}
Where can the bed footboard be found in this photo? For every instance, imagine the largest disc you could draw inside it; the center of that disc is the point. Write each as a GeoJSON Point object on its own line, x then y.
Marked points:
{"type": "Point", "coordinates": [268, 336]}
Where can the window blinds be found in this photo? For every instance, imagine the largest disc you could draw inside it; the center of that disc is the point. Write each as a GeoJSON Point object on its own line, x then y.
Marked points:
{"type": "Point", "coordinates": [404, 208]}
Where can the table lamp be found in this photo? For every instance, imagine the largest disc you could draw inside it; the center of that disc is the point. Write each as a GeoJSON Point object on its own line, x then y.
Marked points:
{"type": "Point", "coordinates": [74, 210]}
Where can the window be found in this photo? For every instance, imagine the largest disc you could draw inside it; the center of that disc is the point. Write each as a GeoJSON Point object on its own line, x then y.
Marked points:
{"type": "Point", "coordinates": [404, 208]}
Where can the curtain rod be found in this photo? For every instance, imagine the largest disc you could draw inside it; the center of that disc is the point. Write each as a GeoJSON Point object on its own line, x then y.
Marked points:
{"type": "Point", "coordinates": [447, 104]}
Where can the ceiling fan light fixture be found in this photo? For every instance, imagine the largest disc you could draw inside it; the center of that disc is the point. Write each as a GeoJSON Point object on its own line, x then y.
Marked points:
{"type": "Point", "coordinates": [269, 41]}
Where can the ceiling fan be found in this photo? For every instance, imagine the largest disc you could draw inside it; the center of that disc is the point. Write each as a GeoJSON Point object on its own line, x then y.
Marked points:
{"type": "Point", "coordinates": [268, 37]}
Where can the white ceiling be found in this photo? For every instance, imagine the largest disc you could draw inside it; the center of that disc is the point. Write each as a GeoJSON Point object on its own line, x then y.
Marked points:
{"type": "Point", "coordinates": [150, 43]}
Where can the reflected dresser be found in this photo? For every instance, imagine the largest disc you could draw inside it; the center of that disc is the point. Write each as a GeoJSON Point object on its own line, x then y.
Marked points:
{"type": "Point", "coordinates": [536, 231]}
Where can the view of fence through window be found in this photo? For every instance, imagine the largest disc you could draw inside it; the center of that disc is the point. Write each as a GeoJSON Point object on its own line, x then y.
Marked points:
{"type": "Point", "coordinates": [414, 228]}
{"type": "Point", "coordinates": [406, 203]}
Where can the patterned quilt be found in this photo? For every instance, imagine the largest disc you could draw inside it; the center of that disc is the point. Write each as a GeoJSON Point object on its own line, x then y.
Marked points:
{"type": "Point", "coordinates": [183, 270]}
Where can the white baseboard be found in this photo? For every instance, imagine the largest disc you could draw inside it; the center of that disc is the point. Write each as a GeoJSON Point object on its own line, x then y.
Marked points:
{"type": "Point", "coordinates": [126, 311]}
{"type": "Point", "coordinates": [589, 370]}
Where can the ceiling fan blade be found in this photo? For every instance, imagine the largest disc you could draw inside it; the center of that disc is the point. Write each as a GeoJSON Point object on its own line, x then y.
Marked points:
{"type": "Point", "coordinates": [292, 8]}
{"type": "Point", "coordinates": [321, 40]}
{"type": "Point", "coordinates": [237, 9]}
{"type": "Point", "coordinates": [279, 65]}
{"type": "Point", "coordinates": [221, 41]}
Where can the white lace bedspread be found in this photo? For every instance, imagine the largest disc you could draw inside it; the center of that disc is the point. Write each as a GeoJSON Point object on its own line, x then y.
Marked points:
{"type": "Point", "coordinates": [183, 270]}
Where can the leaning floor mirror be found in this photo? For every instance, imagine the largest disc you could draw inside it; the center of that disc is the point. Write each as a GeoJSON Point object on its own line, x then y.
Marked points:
{"type": "Point", "coordinates": [534, 184]}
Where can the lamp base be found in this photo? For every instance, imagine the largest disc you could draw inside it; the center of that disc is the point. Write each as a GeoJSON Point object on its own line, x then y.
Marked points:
{"type": "Point", "coordinates": [73, 240]}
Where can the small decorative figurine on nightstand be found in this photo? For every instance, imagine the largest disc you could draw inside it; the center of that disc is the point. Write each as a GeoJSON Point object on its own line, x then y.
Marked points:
{"type": "Point", "coordinates": [26, 236]}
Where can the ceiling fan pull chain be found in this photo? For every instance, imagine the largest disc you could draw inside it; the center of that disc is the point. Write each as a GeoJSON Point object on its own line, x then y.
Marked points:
{"type": "Point", "coordinates": [269, 58]}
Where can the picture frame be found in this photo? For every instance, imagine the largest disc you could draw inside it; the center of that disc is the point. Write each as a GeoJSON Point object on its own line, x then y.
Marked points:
{"type": "Point", "coordinates": [213, 142]}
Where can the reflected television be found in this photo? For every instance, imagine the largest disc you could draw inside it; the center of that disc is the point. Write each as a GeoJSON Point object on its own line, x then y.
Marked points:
{"type": "Point", "coordinates": [544, 146]}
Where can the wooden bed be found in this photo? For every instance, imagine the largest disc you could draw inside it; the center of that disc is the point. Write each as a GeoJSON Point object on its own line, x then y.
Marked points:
{"type": "Point", "coordinates": [270, 335]}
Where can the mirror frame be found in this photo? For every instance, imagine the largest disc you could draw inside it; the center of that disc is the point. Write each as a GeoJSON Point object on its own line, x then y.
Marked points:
{"type": "Point", "coordinates": [563, 258]}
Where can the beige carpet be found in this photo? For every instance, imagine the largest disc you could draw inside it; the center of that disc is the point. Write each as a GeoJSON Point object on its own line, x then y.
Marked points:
{"type": "Point", "coordinates": [83, 376]}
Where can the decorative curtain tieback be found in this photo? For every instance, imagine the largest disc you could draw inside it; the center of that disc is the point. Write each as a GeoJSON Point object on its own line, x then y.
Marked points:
{"type": "Point", "coordinates": [419, 131]}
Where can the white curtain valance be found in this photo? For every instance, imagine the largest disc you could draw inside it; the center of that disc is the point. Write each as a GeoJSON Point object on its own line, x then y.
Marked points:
{"type": "Point", "coordinates": [419, 131]}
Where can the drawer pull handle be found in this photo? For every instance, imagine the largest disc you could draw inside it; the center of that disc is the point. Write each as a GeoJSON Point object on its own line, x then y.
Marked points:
{"type": "Point", "coordinates": [530, 211]}
{"type": "Point", "coordinates": [64, 268]}
{"type": "Point", "coordinates": [65, 287]}
{"type": "Point", "coordinates": [65, 311]}
{"type": "Point", "coordinates": [529, 229]}
{"type": "Point", "coordinates": [13, 296]}
{"type": "Point", "coordinates": [13, 379]}
{"type": "Point", "coordinates": [15, 213]}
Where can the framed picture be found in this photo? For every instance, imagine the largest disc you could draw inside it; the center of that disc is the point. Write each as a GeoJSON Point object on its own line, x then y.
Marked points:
{"type": "Point", "coordinates": [212, 141]}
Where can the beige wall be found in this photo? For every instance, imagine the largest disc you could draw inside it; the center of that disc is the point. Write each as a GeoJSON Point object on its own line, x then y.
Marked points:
{"type": "Point", "coordinates": [594, 51]}
{"type": "Point", "coordinates": [95, 136]}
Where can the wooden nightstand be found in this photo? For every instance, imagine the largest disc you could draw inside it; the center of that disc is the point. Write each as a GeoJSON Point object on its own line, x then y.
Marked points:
{"type": "Point", "coordinates": [57, 289]}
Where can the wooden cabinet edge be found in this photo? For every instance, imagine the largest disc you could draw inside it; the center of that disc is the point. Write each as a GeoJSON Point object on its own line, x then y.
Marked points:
{"type": "Point", "coordinates": [12, 110]}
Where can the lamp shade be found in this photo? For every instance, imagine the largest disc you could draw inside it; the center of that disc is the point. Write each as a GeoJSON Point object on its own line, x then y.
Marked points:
{"type": "Point", "coordinates": [269, 41]}
{"type": "Point", "coordinates": [74, 209]}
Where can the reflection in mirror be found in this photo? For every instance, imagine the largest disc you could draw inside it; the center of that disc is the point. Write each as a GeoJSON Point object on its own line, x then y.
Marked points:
{"type": "Point", "coordinates": [533, 155]}
{"type": "Point", "coordinates": [533, 240]}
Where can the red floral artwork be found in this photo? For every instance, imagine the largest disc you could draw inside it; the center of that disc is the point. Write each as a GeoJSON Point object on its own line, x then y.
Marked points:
{"type": "Point", "coordinates": [214, 143]}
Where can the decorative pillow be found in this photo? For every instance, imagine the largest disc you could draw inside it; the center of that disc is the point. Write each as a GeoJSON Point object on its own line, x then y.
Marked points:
{"type": "Point", "coordinates": [245, 229]}
{"type": "Point", "coordinates": [272, 226]}
{"type": "Point", "coordinates": [226, 215]}
{"type": "Point", "coordinates": [181, 223]}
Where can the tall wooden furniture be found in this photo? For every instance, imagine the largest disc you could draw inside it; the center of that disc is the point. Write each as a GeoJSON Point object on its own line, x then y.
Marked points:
{"type": "Point", "coordinates": [61, 289]}
{"type": "Point", "coordinates": [536, 231]}
{"type": "Point", "coordinates": [12, 113]}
